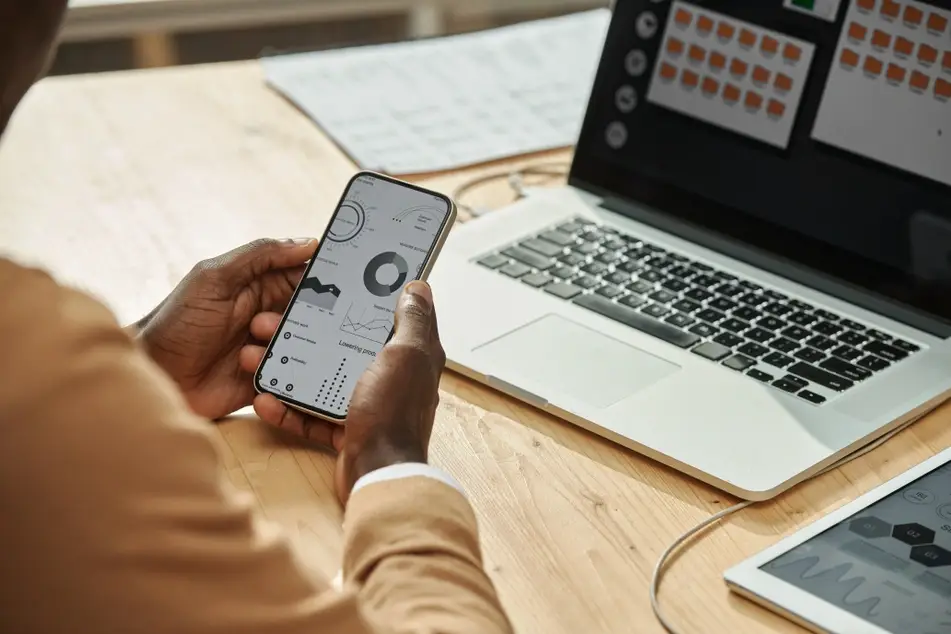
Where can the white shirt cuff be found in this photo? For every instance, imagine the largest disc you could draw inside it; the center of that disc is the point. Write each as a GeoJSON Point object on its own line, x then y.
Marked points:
{"type": "Point", "coordinates": [407, 470]}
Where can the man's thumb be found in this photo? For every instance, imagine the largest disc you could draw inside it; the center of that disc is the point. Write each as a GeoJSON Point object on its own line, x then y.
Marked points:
{"type": "Point", "coordinates": [414, 313]}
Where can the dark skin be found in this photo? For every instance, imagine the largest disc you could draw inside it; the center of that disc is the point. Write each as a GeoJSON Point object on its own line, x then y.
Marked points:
{"type": "Point", "coordinates": [210, 334]}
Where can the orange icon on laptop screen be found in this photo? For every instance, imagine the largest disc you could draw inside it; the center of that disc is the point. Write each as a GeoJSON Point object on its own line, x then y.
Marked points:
{"type": "Point", "coordinates": [896, 74]}
{"type": "Point", "coordinates": [717, 61]}
{"type": "Point", "coordinates": [697, 53]}
{"type": "Point", "coordinates": [769, 45]}
{"type": "Point", "coordinates": [760, 75]}
{"type": "Point", "coordinates": [776, 108]}
{"type": "Point", "coordinates": [683, 18]}
{"type": "Point", "coordinates": [753, 101]}
{"type": "Point", "coordinates": [738, 68]}
{"type": "Point", "coordinates": [710, 86]}
{"type": "Point", "coordinates": [704, 25]}
{"type": "Point", "coordinates": [725, 31]}
{"type": "Point", "coordinates": [946, 61]}
{"type": "Point", "coordinates": [731, 94]}
{"type": "Point", "coordinates": [849, 58]}
{"type": "Point", "coordinates": [942, 89]}
{"type": "Point", "coordinates": [857, 32]}
{"type": "Point", "coordinates": [919, 81]}
{"type": "Point", "coordinates": [865, 5]}
{"type": "Point", "coordinates": [881, 39]}
{"type": "Point", "coordinates": [689, 79]}
{"type": "Point", "coordinates": [904, 47]}
{"type": "Point", "coordinates": [913, 16]}
{"type": "Point", "coordinates": [783, 83]}
{"type": "Point", "coordinates": [792, 53]}
{"type": "Point", "coordinates": [873, 66]}
{"type": "Point", "coordinates": [668, 71]}
{"type": "Point", "coordinates": [937, 23]}
{"type": "Point", "coordinates": [927, 54]}
{"type": "Point", "coordinates": [674, 46]}
{"type": "Point", "coordinates": [747, 38]}
{"type": "Point", "coordinates": [890, 9]}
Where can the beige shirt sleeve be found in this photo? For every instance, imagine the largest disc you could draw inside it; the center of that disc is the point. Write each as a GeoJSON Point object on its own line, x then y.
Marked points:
{"type": "Point", "coordinates": [116, 517]}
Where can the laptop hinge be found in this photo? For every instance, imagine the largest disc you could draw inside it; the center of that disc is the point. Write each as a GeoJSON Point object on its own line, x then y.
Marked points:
{"type": "Point", "coordinates": [776, 265]}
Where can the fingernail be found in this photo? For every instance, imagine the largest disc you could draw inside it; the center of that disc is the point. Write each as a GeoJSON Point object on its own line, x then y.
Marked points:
{"type": "Point", "coordinates": [421, 290]}
{"type": "Point", "coordinates": [298, 242]}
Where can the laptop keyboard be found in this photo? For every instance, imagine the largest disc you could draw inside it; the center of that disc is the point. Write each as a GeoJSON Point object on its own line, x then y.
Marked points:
{"type": "Point", "coordinates": [766, 335]}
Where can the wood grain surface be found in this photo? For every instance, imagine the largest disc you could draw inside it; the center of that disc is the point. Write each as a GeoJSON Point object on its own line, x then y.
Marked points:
{"type": "Point", "coordinates": [120, 183]}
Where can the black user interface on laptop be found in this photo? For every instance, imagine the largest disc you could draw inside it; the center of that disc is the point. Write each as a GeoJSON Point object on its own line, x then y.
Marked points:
{"type": "Point", "coordinates": [815, 130]}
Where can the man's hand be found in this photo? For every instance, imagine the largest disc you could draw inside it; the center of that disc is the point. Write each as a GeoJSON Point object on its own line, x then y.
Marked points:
{"type": "Point", "coordinates": [391, 415]}
{"type": "Point", "coordinates": [199, 334]}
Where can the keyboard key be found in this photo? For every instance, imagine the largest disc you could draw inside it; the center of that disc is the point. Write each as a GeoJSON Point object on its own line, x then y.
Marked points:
{"type": "Point", "coordinates": [563, 290]}
{"type": "Point", "coordinates": [730, 290]}
{"type": "Point", "coordinates": [852, 325]}
{"type": "Point", "coordinates": [722, 303]}
{"type": "Point", "coordinates": [751, 349]}
{"type": "Point", "coordinates": [906, 346]}
{"type": "Point", "coordinates": [587, 282]}
{"type": "Point", "coordinates": [680, 320]}
{"type": "Point", "coordinates": [595, 268]}
{"type": "Point", "coordinates": [618, 277]}
{"type": "Point", "coordinates": [795, 379]}
{"type": "Point", "coordinates": [588, 248]}
{"type": "Point", "coordinates": [797, 333]}
{"type": "Point", "coordinates": [636, 320]}
{"type": "Point", "coordinates": [821, 343]}
{"type": "Point", "coordinates": [739, 363]}
{"type": "Point", "coordinates": [810, 355]}
{"type": "Point", "coordinates": [493, 261]}
{"type": "Point", "coordinates": [878, 334]}
{"type": "Point", "coordinates": [784, 345]}
{"type": "Point", "coordinates": [563, 272]}
{"type": "Point", "coordinates": [822, 377]}
{"type": "Point", "coordinates": [728, 339]}
{"type": "Point", "coordinates": [852, 338]}
{"type": "Point", "coordinates": [770, 322]}
{"type": "Point", "coordinates": [532, 259]}
{"type": "Point", "coordinates": [759, 375]}
{"type": "Point", "coordinates": [800, 306]}
{"type": "Point", "coordinates": [873, 363]}
{"type": "Point", "coordinates": [885, 351]}
{"type": "Point", "coordinates": [609, 291]}
{"type": "Point", "coordinates": [802, 319]}
{"type": "Point", "coordinates": [812, 397]}
{"type": "Point", "coordinates": [662, 296]}
{"type": "Point", "coordinates": [752, 299]}
{"type": "Point", "coordinates": [655, 310]}
{"type": "Point", "coordinates": [634, 301]}
{"type": "Point", "coordinates": [704, 330]}
{"type": "Point", "coordinates": [710, 316]}
{"type": "Point", "coordinates": [759, 335]}
{"type": "Point", "coordinates": [608, 257]}
{"type": "Point", "coordinates": [726, 277]}
{"type": "Point", "coordinates": [845, 369]}
{"type": "Point", "coordinates": [775, 296]}
{"type": "Point", "coordinates": [774, 308]}
{"type": "Point", "coordinates": [846, 352]}
{"type": "Point", "coordinates": [572, 259]}
{"type": "Point", "coordinates": [650, 276]}
{"type": "Point", "coordinates": [631, 266]}
{"type": "Point", "coordinates": [786, 386]}
{"type": "Point", "coordinates": [750, 285]}
{"type": "Point", "coordinates": [543, 247]}
{"type": "Point", "coordinates": [536, 280]}
{"type": "Point", "coordinates": [703, 268]}
{"type": "Point", "coordinates": [778, 359]}
{"type": "Point", "coordinates": [735, 325]}
{"type": "Point", "coordinates": [826, 315]}
{"type": "Point", "coordinates": [640, 286]}
{"type": "Point", "coordinates": [560, 238]}
{"type": "Point", "coordinates": [675, 285]}
{"type": "Point", "coordinates": [698, 294]}
{"type": "Point", "coordinates": [827, 328]}
{"type": "Point", "coordinates": [614, 244]}
{"type": "Point", "coordinates": [746, 313]}
{"type": "Point", "coordinates": [712, 351]}
{"type": "Point", "coordinates": [706, 281]}
{"type": "Point", "coordinates": [680, 272]}
{"type": "Point", "coordinates": [687, 306]}
{"type": "Point", "coordinates": [515, 269]}
{"type": "Point", "coordinates": [571, 227]}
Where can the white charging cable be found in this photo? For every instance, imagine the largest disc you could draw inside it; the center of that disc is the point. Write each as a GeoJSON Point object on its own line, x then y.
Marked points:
{"type": "Point", "coordinates": [660, 567]}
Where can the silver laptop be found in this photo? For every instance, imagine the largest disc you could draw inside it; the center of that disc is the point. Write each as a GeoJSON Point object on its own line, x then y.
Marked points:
{"type": "Point", "coordinates": [749, 275]}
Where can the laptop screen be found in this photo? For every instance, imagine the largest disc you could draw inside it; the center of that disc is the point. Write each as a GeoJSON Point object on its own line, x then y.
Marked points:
{"type": "Point", "coordinates": [816, 130]}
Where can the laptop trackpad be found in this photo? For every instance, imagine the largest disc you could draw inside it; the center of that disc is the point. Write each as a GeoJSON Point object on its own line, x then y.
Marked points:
{"type": "Point", "coordinates": [567, 358]}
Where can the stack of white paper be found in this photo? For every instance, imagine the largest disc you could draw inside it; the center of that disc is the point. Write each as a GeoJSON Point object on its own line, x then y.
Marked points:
{"type": "Point", "coordinates": [438, 104]}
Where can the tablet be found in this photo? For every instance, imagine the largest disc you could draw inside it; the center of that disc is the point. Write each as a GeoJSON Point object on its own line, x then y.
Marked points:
{"type": "Point", "coordinates": [881, 564]}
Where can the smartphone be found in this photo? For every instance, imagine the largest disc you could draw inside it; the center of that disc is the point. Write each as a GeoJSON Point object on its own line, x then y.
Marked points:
{"type": "Point", "coordinates": [384, 234]}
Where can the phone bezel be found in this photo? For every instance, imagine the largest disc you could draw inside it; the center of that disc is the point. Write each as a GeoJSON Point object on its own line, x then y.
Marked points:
{"type": "Point", "coordinates": [431, 257]}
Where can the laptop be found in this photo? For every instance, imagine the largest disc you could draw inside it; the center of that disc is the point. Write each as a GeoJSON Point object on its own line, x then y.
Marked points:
{"type": "Point", "coordinates": [748, 275]}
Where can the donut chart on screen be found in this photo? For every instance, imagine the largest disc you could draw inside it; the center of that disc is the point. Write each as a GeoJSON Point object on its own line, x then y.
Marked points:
{"type": "Point", "coordinates": [378, 262]}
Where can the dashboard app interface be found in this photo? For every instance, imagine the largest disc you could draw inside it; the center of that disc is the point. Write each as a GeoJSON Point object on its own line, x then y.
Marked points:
{"type": "Point", "coordinates": [889, 565]}
{"type": "Point", "coordinates": [343, 314]}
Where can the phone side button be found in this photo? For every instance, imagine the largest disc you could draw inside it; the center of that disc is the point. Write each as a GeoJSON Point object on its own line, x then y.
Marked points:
{"type": "Point", "coordinates": [523, 395]}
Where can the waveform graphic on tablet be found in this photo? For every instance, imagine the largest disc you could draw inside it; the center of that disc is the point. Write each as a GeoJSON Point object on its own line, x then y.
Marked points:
{"type": "Point", "coordinates": [831, 584]}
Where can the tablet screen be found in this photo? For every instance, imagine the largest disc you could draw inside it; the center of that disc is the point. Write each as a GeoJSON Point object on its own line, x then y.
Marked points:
{"type": "Point", "coordinates": [890, 564]}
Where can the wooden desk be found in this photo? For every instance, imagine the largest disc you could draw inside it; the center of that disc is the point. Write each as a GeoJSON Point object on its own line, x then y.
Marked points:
{"type": "Point", "coordinates": [119, 183]}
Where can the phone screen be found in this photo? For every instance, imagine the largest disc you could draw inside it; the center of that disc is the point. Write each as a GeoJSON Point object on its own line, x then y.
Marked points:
{"type": "Point", "coordinates": [381, 238]}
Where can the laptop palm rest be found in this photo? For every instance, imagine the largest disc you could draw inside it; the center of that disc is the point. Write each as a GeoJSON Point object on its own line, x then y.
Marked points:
{"type": "Point", "coordinates": [572, 360]}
